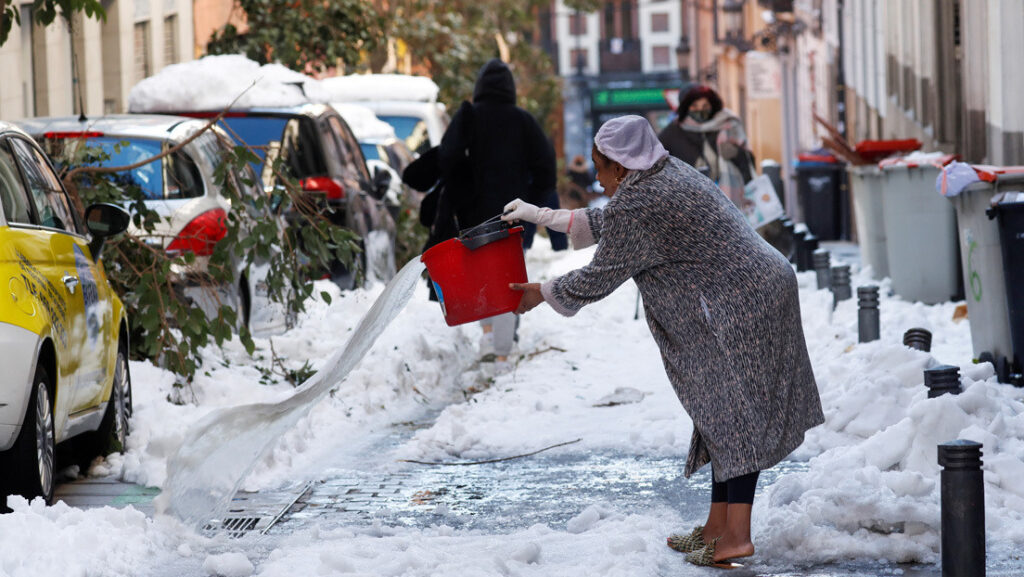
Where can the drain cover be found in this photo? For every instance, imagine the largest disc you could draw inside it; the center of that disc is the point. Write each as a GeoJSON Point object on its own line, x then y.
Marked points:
{"type": "Point", "coordinates": [254, 512]}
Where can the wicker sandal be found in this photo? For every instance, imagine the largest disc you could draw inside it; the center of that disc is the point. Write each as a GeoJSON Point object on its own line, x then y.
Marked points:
{"type": "Point", "coordinates": [705, 557]}
{"type": "Point", "coordinates": [688, 543]}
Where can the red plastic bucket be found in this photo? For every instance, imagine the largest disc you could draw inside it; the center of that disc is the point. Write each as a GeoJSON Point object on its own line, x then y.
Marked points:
{"type": "Point", "coordinates": [471, 273]}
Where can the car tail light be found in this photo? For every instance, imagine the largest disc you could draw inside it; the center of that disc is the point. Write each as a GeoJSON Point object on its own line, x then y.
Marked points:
{"type": "Point", "coordinates": [200, 235]}
{"type": "Point", "coordinates": [73, 134]}
{"type": "Point", "coordinates": [329, 186]}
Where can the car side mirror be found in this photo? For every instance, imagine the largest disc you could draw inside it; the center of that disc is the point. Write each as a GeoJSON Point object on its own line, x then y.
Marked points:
{"type": "Point", "coordinates": [381, 182]}
{"type": "Point", "coordinates": [104, 221]}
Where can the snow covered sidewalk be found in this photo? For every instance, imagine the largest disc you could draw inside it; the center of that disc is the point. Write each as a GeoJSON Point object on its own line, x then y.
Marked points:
{"type": "Point", "coordinates": [863, 488]}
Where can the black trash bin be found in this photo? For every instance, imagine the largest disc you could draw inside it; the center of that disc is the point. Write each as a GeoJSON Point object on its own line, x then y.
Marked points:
{"type": "Point", "coordinates": [1011, 237]}
{"type": "Point", "coordinates": [820, 188]}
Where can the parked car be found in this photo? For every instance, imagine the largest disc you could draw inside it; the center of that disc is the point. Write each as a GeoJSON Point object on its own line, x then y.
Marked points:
{"type": "Point", "coordinates": [182, 189]}
{"type": "Point", "coordinates": [317, 149]}
{"type": "Point", "coordinates": [382, 150]}
{"type": "Point", "coordinates": [63, 330]}
{"type": "Point", "coordinates": [408, 103]}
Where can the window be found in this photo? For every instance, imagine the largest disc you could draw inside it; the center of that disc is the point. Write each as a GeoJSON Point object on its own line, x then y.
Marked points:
{"type": "Point", "coordinates": [618, 19]}
{"type": "Point", "coordinates": [353, 155]}
{"type": "Point", "coordinates": [659, 22]}
{"type": "Point", "coordinates": [370, 151]}
{"type": "Point", "coordinates": [183, 177]}
{"type": "Point", "coordinates": [47, 194]}
{"type": "Point", "coordinates": [577, 24]}
{"type": "Point", "coordinates": [142, 61]}
{"type": "Point", "coordinates": [661, 56]}
{"type": "Point", "coordinates": [117, 151]}
{"type": "Point", "coordinates": [412, 130]}
{"type": "Point", "coordinates": [12, 192]}
{"type": "Point", "coordinates": [170, 39]}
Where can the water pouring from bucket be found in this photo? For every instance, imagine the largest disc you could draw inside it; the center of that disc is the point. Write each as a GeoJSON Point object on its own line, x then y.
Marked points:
{"type": "Point", "coordinates": [472, 273]}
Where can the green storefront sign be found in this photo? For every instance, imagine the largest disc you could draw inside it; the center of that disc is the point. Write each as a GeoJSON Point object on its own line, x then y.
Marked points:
{"type": "Point", "coordinates": [632, 98]}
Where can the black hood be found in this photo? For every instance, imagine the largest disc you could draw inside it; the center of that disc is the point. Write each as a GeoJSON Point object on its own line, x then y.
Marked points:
{"type": "Point", "coordinates": [494, 83]}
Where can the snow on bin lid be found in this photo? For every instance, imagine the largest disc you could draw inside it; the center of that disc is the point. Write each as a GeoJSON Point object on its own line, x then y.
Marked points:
{"type": "Point", "coordinates": [364, 123]}
{"type": "Point", "coordinates": [214, 82]}
{"type": "Point", "coordinates": [355, 87]}
{"type": "Point", "coordinates": [918, 159]}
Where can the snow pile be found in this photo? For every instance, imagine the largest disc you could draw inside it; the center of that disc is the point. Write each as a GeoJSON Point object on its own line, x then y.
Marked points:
{"type": "Point", "coordinates": [40, 540]}
{"type": "Point", "coordinates": [212, 83]}
{"type": "Point", "coordinates": [867, 490]}
{"type": "Point", "coordinates": [355, 87]}
{"type": "Point", "coordinates": [364, 122]}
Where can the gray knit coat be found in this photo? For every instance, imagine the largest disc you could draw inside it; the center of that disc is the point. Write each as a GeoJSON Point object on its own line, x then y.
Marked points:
{"type": "Point", "coordinates": [722, 304]}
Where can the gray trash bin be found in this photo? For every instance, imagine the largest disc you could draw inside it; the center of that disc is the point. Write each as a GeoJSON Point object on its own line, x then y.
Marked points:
{"type": "Point", "coordinates": [982, 263]}
{"type": "Point", "coordinates": [866, 190]}
{"type": "Point", "coordinates": [920, 231]}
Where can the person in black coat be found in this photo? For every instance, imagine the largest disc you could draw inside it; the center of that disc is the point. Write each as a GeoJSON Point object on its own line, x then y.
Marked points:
{"type": "Point", "coordinates": [492, 153]}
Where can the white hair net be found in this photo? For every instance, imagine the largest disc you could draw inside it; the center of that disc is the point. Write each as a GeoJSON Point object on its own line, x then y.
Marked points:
{"type": "Point", "coordinates": [630, 141]}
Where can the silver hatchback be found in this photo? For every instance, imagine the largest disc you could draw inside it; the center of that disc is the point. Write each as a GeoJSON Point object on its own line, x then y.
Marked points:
{"type": "Point", "coordinates": [182, 189]}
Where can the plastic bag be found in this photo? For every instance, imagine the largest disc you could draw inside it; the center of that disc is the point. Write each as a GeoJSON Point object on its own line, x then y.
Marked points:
{"type": "Point", "coordinates": [954, 178]}
{"type": "Point", "coordinates": [761, 203]}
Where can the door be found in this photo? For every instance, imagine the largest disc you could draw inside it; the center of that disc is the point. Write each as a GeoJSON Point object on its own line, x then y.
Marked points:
{"type": "Point", "coordinates": [85, 349]}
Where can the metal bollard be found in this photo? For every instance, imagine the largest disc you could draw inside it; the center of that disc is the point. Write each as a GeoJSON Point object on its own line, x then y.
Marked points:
{"type": "Point", "coordinates": [798, 242]}
{"type": "Point", "coordinates": [917, 338]}
{"type": "Point", "coordinates": [868, 323]}
{"type": "Point", "coordinates": [805, 260]}
{"type": "Point", "coordinates": [821, 259]}
{"type": "Point", "coordinates": [841, 290]}
{"type": "Point", "coordinates": [963, 509]}
{"type": "Point", "coordinates": [941, 380]}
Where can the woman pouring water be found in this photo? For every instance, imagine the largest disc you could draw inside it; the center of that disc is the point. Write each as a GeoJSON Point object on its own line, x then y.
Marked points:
{"type": "Point", "coordinates": [722, 305]}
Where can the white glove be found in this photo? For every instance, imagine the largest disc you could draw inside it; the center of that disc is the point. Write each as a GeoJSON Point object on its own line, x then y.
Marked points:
{"type": "Point", "coordinates": [519, 209]}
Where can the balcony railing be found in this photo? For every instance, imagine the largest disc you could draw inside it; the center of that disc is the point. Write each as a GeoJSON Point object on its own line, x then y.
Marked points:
{"type": "Point", "coordinates": [621, 55]}
{"type": "Point", "coordinates": [777, 5]}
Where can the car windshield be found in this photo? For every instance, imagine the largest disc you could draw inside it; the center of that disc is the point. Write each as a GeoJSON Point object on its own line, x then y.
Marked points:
{"type": "Point", "coordinates": [119, 152]}
{"type": "Point", "coordinates": [256, 131]}
{"type": "Point", "coordinates": [411, 129]}
{"type": "Point", "coordinates": [295, 137]}
{"type": "Point", "coordinates": [369, 151]}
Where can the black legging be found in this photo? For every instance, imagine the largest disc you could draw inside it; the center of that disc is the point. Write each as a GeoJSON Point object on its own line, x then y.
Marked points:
{"type": "Point", "coordinates": [736, 490]}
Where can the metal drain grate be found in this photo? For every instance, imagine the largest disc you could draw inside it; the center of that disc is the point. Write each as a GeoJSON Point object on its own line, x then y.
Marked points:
{"type": "Point", "coordinates": [254, 512]}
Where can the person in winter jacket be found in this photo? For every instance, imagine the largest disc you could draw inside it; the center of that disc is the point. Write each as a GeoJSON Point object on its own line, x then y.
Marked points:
{"type": "Point", "coordinates": [722, 305]}
{"type": "Point", "coordinates": [492, 153]}
{"type": "Point", "coordinates": [711, 139]}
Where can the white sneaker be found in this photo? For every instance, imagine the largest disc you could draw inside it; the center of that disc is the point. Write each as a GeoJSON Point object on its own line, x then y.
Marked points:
{"type": "Point", "coordinates": [487, 348]}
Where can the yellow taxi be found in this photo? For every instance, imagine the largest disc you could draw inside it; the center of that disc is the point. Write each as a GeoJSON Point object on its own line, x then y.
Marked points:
{"type": "Point", "coordinates": [63, 331]}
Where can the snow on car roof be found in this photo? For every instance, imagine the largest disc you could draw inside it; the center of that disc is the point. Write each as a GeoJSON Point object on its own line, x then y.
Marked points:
{"type": "Point", "coordinates": [214, 82]}
{"type": "Point", "coordinates": [355, 87]}
{"type": "Point", "coordinates": [364, 123]}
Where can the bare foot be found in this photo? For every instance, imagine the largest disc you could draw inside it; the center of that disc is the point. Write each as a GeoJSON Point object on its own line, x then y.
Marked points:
{"type": "Point", "coordinates": [733, 550]}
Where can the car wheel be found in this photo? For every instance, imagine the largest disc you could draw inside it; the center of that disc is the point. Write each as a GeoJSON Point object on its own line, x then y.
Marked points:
{"type": "Point", "coordinates": [116, 424]}
{"type": "Point", "coordinates": [32, 461]}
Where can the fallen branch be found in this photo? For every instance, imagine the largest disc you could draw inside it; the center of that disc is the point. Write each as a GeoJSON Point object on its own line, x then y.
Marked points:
{"type": "Point", "coordinates": [464, 463]}
{"type": "Point", "coordinates": [541, 352]}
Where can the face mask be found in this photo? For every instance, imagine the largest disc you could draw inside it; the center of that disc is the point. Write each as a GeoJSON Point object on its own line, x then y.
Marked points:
{"type": "Point", "coordinates": [700, 116]}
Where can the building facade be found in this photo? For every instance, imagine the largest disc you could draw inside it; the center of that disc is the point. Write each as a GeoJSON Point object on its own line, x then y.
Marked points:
{"type": "Point", "coordinates": [90, 66]}
{"type": "Point", "coordinates": [628, 57]}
